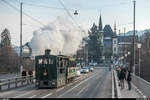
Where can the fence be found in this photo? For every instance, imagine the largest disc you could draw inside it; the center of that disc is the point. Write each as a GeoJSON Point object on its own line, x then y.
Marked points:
{"type": "Point", "coordinates": [142, 85]}
{"type": "Point", "coordinates": [6, 84]}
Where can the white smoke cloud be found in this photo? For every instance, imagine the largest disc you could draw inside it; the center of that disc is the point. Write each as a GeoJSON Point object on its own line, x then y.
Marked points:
{"type": "Point", "coordinates": [59, 36]}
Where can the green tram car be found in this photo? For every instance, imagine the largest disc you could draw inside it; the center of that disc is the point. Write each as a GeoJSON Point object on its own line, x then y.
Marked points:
{"type": "Point", "coordinates": [53, 71]}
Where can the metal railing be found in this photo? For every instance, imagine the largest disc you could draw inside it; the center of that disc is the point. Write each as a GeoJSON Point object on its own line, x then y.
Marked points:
{"type": "Point", "coordinates": [6, 84]}
{"type": "Point", "coordinates": [142, 85]}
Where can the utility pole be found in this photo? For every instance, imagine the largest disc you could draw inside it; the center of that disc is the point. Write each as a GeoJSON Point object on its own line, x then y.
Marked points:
{"type": "Point", "coordinates": [21, 66]}
{"type": "Point", "coordinates": [133, 65]}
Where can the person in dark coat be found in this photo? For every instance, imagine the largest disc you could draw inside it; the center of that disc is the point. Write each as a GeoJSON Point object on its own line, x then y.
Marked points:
{"type": "Point", "coordinates": [121, 78]}
{"type": "Point", "coordinates": [129, 80]}
{"type": "Point", "coordinates": [24, 73]}
{"type": "Point", "coordinates": [30, 74]}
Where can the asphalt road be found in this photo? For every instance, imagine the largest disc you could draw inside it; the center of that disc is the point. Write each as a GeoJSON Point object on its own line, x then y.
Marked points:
{"type": "Point", "coordinates": [95, 84]}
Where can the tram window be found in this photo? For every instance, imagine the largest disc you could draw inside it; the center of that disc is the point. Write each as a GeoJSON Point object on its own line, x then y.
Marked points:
{"type": "Point", "coordinates": [65, 63]}
{"type": "Point", "coordinates": [40, 61]}
{"type": "Point", "coordinates": [61, 64]}
{"type": "Point", "coordinates": [50, 61]}
{"type": "Point", "coordinates": [45, 61]}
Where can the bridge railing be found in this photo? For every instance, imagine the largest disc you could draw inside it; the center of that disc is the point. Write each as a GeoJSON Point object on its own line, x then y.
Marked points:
{"type": "Point", "coordinates": [142, 85]}
{"type": "Point", "coordinates": [6, 84]}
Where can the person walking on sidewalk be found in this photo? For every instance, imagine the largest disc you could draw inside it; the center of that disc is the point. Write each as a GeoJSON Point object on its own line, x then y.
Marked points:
{"type": "Point", "coordinates": [129, 80]}
{"type": "Point", "coordinates": [121, 78]}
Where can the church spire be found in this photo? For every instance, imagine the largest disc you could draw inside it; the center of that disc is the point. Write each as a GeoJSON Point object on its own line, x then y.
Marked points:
{"type": "Point", "coordinates": [100, 27]}
{"type": "Point", "coordinates": [115, 28]}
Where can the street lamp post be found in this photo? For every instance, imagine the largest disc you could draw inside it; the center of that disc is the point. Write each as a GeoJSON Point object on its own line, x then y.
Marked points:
{"type": "Point", "coordinates": [21, 60]}
{"type": "Point", "coordinates": [134, 3]}
{"type": "Point", "coordinates": [139, 47]}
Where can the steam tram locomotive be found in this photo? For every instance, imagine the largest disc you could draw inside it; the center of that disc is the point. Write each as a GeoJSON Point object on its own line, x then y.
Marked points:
{"type": "Point", "coordinates": [53, 71]}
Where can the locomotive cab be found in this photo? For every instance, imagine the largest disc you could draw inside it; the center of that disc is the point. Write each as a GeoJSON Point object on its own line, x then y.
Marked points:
{"type": "Point", "coordinates": [54, 70]}
{"type": "Point", "coordinates": [50, 70]}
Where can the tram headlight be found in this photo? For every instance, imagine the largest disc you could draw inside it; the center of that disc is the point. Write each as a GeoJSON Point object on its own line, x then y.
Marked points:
{"type": "Point", "coordinates": [45, 73]}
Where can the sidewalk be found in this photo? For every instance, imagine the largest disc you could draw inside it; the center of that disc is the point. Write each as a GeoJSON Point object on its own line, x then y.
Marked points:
{"type": "Point", "coordinates": [133, 93]}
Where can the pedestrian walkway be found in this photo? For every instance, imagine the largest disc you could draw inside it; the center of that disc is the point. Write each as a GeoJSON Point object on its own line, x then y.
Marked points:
{"type": "Point", "coordinates": [133, 93]}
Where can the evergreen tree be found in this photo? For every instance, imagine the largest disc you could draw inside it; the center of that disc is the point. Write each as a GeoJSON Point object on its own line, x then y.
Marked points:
{"type": "Point", "coordinates": [9, 60]}
{"type": "Point", "coordinates": [94, 44]}
{"type": "Point", "coordinates": [5, 38]}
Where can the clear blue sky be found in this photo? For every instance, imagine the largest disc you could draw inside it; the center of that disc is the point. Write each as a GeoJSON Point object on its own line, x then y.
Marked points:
{"type": "Point", "coordinates": [89, 11]}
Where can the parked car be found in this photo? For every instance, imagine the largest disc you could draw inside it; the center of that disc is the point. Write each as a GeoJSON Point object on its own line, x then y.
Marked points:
{"type": "Point", "coordinates": [85, 70]}
{"type": "Point", "coordinates": [93, 64]}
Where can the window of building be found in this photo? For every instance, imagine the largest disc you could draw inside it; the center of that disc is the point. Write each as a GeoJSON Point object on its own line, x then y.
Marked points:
{"type": "Point", "coordinates": [114, 49]}
{"type": "Point", "coordinates": [115, 41]}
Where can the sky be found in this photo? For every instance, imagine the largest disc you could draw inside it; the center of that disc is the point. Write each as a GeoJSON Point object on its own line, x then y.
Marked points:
{"type": "Point", "coordinates": [89, 11]}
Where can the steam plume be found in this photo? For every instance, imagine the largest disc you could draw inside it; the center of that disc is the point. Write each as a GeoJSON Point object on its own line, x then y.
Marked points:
{"type": "Point", "coordinates": [59, 36]}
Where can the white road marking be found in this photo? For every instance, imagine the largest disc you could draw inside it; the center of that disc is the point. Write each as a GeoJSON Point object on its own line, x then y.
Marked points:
{"type": "Point", "coordinates": [81, 90]}
{"type": "Point", "coordinates": [59, 89]}
{"type": "Point", "coordinates": [33, 96]}
{"type": "Point", "coordinates": [24, 94]}
{"type": "Point", "coordinates": [76, 86]}
{"type": "Point", "coordinates": [78, 78]}
{"type": "Point", "coordinates": [47, 95]}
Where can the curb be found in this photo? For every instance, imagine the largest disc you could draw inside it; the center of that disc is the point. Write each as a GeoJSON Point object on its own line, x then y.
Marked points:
{"type": "Point", "coordinates": [112, 82]}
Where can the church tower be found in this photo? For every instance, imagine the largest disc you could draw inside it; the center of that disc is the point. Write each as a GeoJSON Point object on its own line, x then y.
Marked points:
{"type": "Point", "coordinates": [115, 42]}
{"type": "Point", "coordinates": [100, 28]}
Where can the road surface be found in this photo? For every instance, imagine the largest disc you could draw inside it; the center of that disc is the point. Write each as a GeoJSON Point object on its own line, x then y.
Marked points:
{"type": "Point", "coordinates": [95, 84]}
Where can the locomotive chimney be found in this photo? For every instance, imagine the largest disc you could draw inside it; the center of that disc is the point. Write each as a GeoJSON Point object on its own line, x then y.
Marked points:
{"type": "Point", "coordinates": [47, 52]}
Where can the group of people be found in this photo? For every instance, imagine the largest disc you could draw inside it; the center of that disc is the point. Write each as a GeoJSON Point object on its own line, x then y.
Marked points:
{"type": "Point", "coordinates": [124, 74]}
{"type": "Point", "coordinates": [30, 73]}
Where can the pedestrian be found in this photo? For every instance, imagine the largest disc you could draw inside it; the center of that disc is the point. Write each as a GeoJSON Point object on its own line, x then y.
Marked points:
{"type": "Point", "coordinates": [129, 80]}
{"type": "Point", "coordinates": [121, 78]}
{"type": "Point", "coordinates": [24, 74]}
{"type": "Point", "coordinates": [126, 70]}
{"type": "Point", "coordinates": [118, 71]}
{"type": "Point", "coordinates": [30, 72]}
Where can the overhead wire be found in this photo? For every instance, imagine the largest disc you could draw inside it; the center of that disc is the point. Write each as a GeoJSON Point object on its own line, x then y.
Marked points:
{"type": "Point", "coordinates": [44, 6]}
{"type": "Point", "coordinates": [69, 14]}
{"type": "Point", "coordinates": [15, 8]}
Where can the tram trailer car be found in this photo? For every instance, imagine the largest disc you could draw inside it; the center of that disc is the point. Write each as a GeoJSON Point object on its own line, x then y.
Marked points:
{"type": "Point", "coordinates": [53, 71]}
